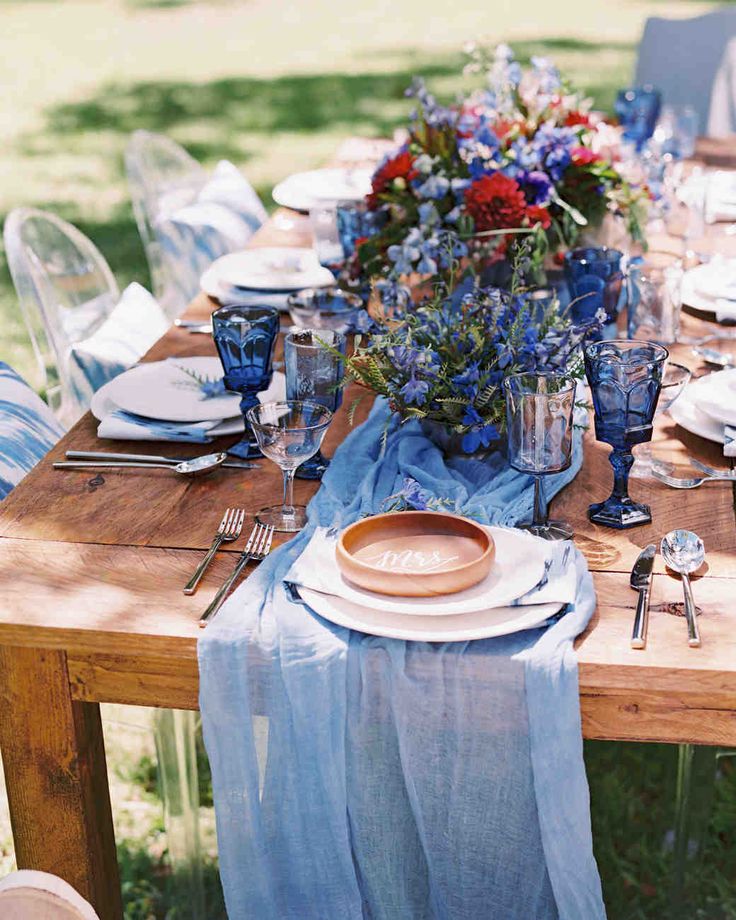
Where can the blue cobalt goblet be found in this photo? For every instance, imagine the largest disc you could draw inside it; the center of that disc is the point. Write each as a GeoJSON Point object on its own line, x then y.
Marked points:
{"type": "Point", "coordinates": [314, 373]}
{"type": "Point", "coordinates": [355, 222]}
{"type": "Point", "coordinates": [539, 419]}
{"type": "Point", "coordinates": [244, 337]}
{"type": "Point", "coordinates": [596, 281]}
{"type": "Point", "coordinates": [625, 380]}
{"type": "Point", "coordinates": [637, 109]}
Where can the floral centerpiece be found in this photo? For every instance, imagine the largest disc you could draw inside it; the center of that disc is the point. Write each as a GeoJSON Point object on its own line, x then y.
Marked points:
{"type": "Point", "coordinates": [517, 157]}
{"type": "Point", "coordinates": [443, 362]}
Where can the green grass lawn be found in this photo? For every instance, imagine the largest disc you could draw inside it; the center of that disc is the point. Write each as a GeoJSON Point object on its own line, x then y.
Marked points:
{"type": "Point", "coordinates": [274, 86]}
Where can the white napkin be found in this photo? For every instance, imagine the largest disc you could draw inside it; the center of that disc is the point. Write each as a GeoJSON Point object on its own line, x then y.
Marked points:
{"type": "Point", "coordinates": [715, 283]}
{"type": "Point", "coordinates": [317, 569]}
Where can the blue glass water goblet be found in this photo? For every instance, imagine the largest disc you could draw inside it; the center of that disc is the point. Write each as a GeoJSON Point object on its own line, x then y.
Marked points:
{"type": "Point", "coordinates": [355, 221]}
{"type": "Point", "coordinates": [314, 372]}
{"type": "Point", "coordinates": [539, 424]}
{"type": "Point", "coordinates": [244, 338]}
{"type": "Point", "coordinates": [288, 432]}
{"type": "Point", "coordinates": [625, 380]}
{"type": "Point", "coordinates": [637, 109]}
{"type": "Point", "coordinates": [596, 281]}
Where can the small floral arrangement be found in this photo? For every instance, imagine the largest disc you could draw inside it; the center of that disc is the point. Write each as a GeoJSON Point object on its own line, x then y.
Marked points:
{"type": "Point", "coordinates": [445, 360]}
{"type": "Point", "coordinates": [517, 157]}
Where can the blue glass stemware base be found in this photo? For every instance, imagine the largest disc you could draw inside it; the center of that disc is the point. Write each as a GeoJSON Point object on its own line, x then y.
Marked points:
{"type": "Point", "coordinates": [314, 468]}
{"type": "Point", "coordinates": [246, 448]}
{"type": "Point", "coordinates": [620, 513]}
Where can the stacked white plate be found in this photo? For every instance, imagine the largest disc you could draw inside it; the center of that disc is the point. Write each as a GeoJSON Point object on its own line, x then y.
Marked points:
{"type": "Point", "coordinates": [305, 190]}
{"type": "Point", "coordinates": [721, 195]}
{"type": "Point", "coordinates": [530, 581]}
{"type": "Point", "coordinates": [161, 400]}
{"type": "Point", "coordinates": [264, 275]}
{"type": "Point", "coordinates": [707, 406]}
{"type": "Point", "coordinates": [712, 288]}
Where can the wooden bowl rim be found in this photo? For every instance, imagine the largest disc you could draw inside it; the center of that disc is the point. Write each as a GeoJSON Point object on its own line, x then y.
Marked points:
{"type": "Point", "coordinates": [489, 550]}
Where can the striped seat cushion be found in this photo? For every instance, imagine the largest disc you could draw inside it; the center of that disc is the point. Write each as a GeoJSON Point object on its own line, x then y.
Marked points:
{"type": "Point", "coordinates": [28, 429]}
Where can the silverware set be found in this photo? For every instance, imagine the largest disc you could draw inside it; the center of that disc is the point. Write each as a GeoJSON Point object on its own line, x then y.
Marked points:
{"type": "Point", "coordinates": [184, 466]}
{"type": "Point", "coordinates": [256, 550]}
{"type": "Point", "coordinates": [684, 553]}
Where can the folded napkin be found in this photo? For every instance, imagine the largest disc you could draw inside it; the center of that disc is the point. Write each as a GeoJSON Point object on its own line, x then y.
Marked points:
{"type": "Point", "coordinates": [317, 568]}
{"type": "Point", "coordinates": [358, 776]}
{"type": "Point", "coordinates": [248, 297]}
{"type": "Point", "coordinates": [126, 426]}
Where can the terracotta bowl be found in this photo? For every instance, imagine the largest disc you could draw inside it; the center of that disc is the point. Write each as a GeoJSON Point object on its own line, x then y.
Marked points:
{"type": "Point", "coordinates": [415, 553]}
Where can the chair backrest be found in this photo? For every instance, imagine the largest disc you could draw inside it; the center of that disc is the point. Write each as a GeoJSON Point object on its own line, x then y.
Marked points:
{"type": "Point", "coordinates": [160, 173]}
{"type": "Point", "coordinates": [28, 430]}
{"type": "Point", "coordinates": [66, 291]}
{"type": "Point", "coordinates": [681, 57]}
{"type": "Point", "coordinates": [722, 113]}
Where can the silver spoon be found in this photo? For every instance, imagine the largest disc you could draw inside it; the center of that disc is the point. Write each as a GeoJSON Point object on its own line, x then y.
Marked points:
{"type": "Point", "coordinates": [195, 467]}
{"type": "Point", "coordinates": [109, 457]}
{"type": "Point", "coordinates": [714, 357]}
{"type": "Point", "coordinates": [683, 552]}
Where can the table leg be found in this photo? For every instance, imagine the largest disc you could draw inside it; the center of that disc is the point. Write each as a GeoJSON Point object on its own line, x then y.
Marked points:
{"type": "Point", "coordinates": [54, 759]}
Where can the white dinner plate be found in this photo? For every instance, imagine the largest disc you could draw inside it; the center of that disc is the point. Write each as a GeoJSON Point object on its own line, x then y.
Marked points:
{"type": "Point", "coordinates": [306, 190]}
{"type": "Point", "coordinates": [483, 624]}
{"type": "Point", "coordinates": [270, 269]}
{"type": "Point", "coordinates": [162, 390]}
{"type": "Point", "coordinates": [715, 396]}
{"type": "Point", "coordinates": [694, 285]}
{"type": "Point", "coordinates": [687, 413]}
{"type": "Point", "coordinates": [518, 566]}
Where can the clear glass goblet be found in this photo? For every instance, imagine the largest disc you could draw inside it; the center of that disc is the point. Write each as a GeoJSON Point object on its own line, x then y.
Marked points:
{"type": "Point", "coordinates": [315, 368]}
{"type": "Point", "coordinates": [245, 337]}
{"type": "Point", "coordinates": [674, 380]}
{"type": "Point", "coordinates": [539, 420]}
{"type": "Point", "coordinates": [625, 380]}
{"type": "Point", "coordinates": [288, 432]}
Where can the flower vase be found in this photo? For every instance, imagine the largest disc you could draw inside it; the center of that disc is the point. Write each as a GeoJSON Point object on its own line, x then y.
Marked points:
{"type": "Point", "coordinates": [451, 443]}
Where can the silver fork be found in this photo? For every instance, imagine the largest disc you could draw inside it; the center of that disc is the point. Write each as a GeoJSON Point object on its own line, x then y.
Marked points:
{"type": "Point", "coordinates": [692, 483]}
{"type": "Point", "coordinates": [711, 470]}
{"type": "Point", "coordinates": [228, 531]}
{"type": "Point", "coordinates": [256, 550]}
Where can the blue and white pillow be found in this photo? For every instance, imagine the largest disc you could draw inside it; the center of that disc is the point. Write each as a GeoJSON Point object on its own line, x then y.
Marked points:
{"type": "Point", "coordinates": [135, 324]}
{"type": "Point", "coordinates": [221, 219]}
{"type": "Point", "coordinates": [28, 429]}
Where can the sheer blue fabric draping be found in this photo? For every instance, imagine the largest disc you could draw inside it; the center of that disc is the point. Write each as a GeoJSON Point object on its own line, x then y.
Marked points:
{"type": "Point", "coordinates": [361, 777]}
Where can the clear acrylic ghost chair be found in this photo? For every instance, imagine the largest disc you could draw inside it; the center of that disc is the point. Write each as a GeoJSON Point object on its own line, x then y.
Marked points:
{"type": "Point", "coordinates": [66, 291]}
{"type": "Point", "coordinates": [701, 42]}
{"type": "Point", "coordinates": [160, 174]}
{"type": "Point", "coordinates": [32, 895]}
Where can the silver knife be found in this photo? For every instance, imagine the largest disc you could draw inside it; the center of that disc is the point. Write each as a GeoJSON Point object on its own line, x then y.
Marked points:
{"type": "Point", "coordinates": [149, 458]}
{"type": "Point", "coordinates": [641, 581]}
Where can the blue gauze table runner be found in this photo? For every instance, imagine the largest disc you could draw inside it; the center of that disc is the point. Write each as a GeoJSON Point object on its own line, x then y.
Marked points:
{"type": "Point", "coordinates": [362, 777]}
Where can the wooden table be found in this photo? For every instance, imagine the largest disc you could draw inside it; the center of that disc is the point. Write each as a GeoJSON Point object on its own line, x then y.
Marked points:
{"type": "Point", "coordinates": [91, 611]}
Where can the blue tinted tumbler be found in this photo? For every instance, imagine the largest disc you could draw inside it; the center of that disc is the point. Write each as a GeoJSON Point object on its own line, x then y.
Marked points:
{"type": "Point", "coordinates": [625, 380]}
{"type": "Point", "coordinates": [245, 337]}
{"type": "Point", "coordinates": [637, 109]}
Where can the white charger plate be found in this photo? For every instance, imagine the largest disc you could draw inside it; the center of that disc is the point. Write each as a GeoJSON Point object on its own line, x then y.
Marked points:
{"type": "Point", "coordinates": [161, 390]}
{"type": "Point", "coordinates": [688, 414]}
{"type": "Point", "coordinates": [269, 268]}
{"type": "Point", "coordinates": [483, 624]}
{"type": "Point", "coordinates": [305, 190]}
{"type": "Point", "coordinates": [518, 566]}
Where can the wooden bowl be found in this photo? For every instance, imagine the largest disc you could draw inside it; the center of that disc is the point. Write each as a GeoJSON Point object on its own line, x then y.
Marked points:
{"type": "Point", "coordinates": [415, 553]}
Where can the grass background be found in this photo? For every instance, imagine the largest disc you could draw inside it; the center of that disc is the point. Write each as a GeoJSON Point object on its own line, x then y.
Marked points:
{"type": "Point", "coordinates": [274, 85]}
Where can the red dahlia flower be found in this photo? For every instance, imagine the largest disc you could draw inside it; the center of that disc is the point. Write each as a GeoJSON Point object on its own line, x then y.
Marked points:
{"type": "Point", "coordinates": [538, 215]}
{"type": "Point", "coordinates": [399, 167]}
{"type": "Point", "coordinates": [583, 156]}
{"type": "Point", "coordinates": [495, 203]}
{"type": "Point", "coordinates": [573, 119]}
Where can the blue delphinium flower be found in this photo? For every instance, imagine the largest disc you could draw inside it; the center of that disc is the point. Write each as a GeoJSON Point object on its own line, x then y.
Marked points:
{"type": "Point", "coordinates": [434, 187]}
{"type": "Point", "coordinates": [415, 391]}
